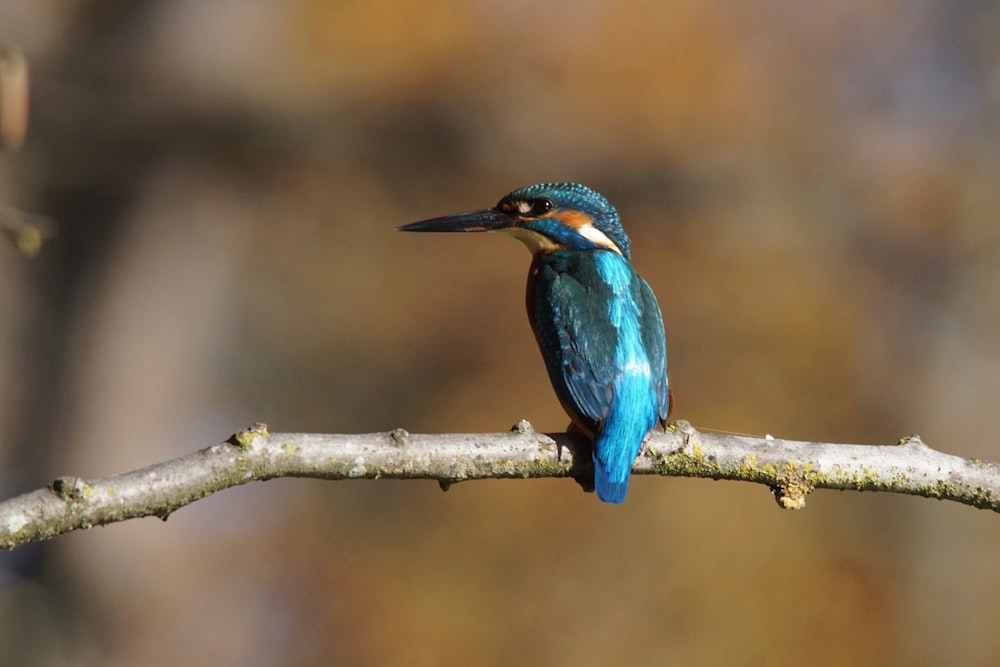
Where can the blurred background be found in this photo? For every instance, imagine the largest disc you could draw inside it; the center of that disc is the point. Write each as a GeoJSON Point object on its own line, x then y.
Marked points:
{"type": "Point", "coordinates": [811, 189]}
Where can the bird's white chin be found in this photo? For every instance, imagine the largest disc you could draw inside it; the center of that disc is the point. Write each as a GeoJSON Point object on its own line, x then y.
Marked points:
{"type": "Point", "coordinates": [537, 243]}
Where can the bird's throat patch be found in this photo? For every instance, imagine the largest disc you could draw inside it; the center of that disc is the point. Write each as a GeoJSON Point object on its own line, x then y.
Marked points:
{"type": "Point", "coordinates": [536, 242]}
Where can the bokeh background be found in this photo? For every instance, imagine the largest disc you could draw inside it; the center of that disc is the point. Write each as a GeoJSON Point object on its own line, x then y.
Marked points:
{"type": "Point", "coordinates": [812, 190]}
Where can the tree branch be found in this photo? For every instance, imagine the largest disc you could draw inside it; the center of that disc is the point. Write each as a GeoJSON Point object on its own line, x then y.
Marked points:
{"type": "Point", "coordinates": [790, 469]}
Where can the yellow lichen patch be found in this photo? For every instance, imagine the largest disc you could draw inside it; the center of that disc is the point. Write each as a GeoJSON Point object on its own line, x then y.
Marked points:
{"type": "Point", "coordinates": [791, 502]}
{"type": "Point", "coordinates": [793, 485]}
{"type": "Point", "coordinates": [697, 453]}
{"type": "Point", "coordinates": [244, 439]}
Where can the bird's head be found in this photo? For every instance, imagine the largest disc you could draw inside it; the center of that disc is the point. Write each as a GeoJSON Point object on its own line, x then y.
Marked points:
{"type": "Point", "coordinates": [546, 217]}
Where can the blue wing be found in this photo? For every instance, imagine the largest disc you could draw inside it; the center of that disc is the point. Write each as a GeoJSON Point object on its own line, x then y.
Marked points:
{"type": "Point", "coordinates": [567, 306]}
{"type": "Point", "coordinates": [601, 334]}
{"type": "Point", "coordinates": [655, 341]}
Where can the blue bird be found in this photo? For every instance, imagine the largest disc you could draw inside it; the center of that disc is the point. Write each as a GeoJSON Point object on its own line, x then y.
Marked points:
{"type": "Point", "coordinates": [596, 321]}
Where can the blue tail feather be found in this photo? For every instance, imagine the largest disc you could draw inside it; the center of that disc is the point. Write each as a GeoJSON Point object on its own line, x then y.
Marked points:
{"type": "Point", "coordinates": [614, 453]}
{"type": "Point", "coordinates": [619, 438]}
{"type": "Point", "coordinates": [607, 490]}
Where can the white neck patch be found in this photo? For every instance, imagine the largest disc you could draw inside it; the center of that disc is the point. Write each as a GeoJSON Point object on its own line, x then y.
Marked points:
{"type": "Point", "coordinates": [595, 235]}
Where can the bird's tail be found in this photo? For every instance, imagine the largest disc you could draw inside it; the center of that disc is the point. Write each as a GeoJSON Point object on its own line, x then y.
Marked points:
{"type": "Point", "coordinates": [613, 458]}
{"type": "Point", "coordinates": [609, 490]}
{"type": "Point", "coordinates": [616, 444]}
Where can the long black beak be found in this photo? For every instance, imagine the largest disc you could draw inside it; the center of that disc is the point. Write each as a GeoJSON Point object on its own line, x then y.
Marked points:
{"type": "Point", "coordinates": [485, 220]}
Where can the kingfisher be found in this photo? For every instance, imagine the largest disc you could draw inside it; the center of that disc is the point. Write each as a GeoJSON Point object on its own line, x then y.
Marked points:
{"type": "Point", "coordinates": [597, 323]}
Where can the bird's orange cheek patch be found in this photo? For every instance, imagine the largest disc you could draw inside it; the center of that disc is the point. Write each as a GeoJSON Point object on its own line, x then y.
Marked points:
{"type": "Point", "coordinates": [584, 226]}
{"type": "Point", "coordinates": [574, 219]}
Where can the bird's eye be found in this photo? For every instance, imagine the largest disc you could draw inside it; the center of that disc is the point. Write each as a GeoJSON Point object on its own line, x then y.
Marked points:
{"type": "Point", "coordinates": [540, 206]}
